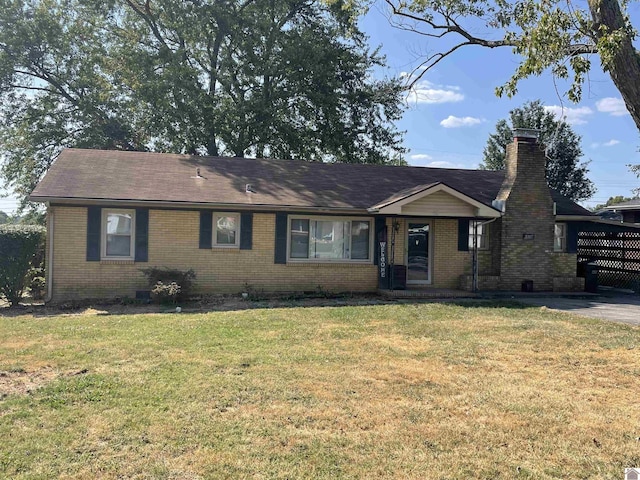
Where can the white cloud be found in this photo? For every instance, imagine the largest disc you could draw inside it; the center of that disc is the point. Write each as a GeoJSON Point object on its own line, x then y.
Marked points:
{"type": "Point", "coordinates": [612, 106]}
{"type": "Point", "coordinates": [574, 116]}
{"type": "Point", "coordinates": [420, 156]}
{"type": "Point", "coordinates": [445, 164]}
{"type": "Point", "coordinates": [457, 122]}
{"type": "Point", "coordinates": [425, 92]}
{"type": "Point", "coordinates": [610, 143]}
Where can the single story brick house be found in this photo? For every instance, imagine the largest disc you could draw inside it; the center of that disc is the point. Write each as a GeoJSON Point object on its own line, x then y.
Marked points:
{"type": "Point", "coordinates": [286, 225]}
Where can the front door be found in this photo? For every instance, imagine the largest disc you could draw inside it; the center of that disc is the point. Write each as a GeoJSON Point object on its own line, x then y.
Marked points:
{"type": "Point", "coordinates": [418, 258]}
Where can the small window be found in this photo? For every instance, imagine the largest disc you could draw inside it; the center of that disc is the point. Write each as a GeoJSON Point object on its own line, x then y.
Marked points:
{"type": "Point", "coordinates": [118, 234]}
{"type": "Point", "coordinates": [329, 239]}
{"type": "Point", "coordinates": [482, 233]}
{"type": "Point", "coordinates": [226, 232]}
{"type": "Point", "coordinates": [560, 237]}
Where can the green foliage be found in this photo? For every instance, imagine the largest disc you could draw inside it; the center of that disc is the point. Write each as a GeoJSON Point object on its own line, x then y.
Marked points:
{"type": "Point", "coordinates": [21, 248]}
{"type": "Point", "coordinates": [169, 284]}
{"type": "Point", "coordinates": [551, 35]}
{"type": "Point", "coordinates": [565, 173]}
{"type": "Point", "coordinates": [266, 78]}
{"type": "Point", "coordinates": [36, 282]}
{"type": "Point", "coordinates": [635, 169]}
{"type": "Point", "coordinates": [35, 216]}
{"type": "Point", "coordinates": [612, 201]}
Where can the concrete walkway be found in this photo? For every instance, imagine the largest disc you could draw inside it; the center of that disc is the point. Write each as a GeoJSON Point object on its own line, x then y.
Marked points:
{"type": "Point", "coordinates": [616, 308]}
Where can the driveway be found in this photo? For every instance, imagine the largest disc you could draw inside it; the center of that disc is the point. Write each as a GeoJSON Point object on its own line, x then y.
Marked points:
{"type": "Point", "coordinates": [619, 308]}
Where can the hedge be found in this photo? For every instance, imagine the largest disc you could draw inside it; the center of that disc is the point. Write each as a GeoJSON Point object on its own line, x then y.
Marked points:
{"type": "Point", "coordinates": [21, 249]}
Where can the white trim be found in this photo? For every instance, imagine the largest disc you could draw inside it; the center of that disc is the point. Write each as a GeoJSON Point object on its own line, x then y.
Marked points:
{"type": "Point", "coordinates": [369, 220]}
{"type": "Point", "coordinates": [575, 218]}
{"type": "Point", "coordinates": [214, 230]}
{"type": "Point", "coordinates": [395, 208]}
{"type": "Point", "coordinates": [485, 235]}
{"type": "Point", "coordinates": [430, 251]}
{"type": "Point", "coordinates": [103, 234]}
{"type": "Point", "coordinates": [563, 237]}
{"type": "Point", "coordinates": [595, 219]}
{"type": "Point", "coordinates": [49, 264]}
{"type": "Point", "coordinates": [179, 205]}
{"type": "Point", "coordinates": [615, 208]}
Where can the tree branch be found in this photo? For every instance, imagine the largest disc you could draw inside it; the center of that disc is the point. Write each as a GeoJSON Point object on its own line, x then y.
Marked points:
{"type": "Point", "coordinates": [449, 25]}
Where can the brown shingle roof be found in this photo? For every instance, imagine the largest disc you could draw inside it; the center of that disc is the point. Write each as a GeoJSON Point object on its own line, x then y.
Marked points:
{"type": "Point", "coordinates": [154, 177]}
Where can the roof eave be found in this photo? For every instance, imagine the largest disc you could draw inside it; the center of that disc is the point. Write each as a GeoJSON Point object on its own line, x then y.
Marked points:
{"type": "Point", "coordinates": [575, 218]}
{"type": "Point", "coordinates": [482, 210]}
{"type": "Point", "coordinates": [614, 208]}
{"type": "Point", "coordinates": [75, 201]}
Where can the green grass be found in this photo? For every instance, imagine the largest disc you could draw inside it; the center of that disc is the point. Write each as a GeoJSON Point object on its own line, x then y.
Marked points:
{"type": "Point", "coordinates": [390, 391]}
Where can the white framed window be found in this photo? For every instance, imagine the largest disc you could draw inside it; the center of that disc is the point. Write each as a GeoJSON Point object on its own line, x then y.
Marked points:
{"type": "Point", "coordinates": [226, 230]}
{"type": "Point", "coordinates": [118, 234]}
{"type": "Point", "coordinates": [560, 237]}
{"type": "Point", "coordinates": [330, 239]}
{"type": "Point", "coordinates": [482, 233]}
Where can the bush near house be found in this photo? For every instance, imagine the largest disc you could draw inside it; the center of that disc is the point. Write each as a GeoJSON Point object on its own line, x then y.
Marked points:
{"type": "Point", "coordinates": [169, 285]}
{"type": "Point", "coordinates": [21, 249]}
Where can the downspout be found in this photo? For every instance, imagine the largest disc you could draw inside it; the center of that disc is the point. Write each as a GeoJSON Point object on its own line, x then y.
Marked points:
{"type": "Point", "coordinates": [49, 256]}
{"type": "Point", "coordinates": [474, 286]}
{"type": "Point", "coordinates": [475, 251]}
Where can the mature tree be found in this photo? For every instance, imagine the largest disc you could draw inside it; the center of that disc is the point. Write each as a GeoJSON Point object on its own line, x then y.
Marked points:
{"type": "Point", "coordinates": [612, 201]}
{"type": "Point", "coordinates": [55, 89]}
{"type": "Point", "coordinates": [565, 173]}
{"type": "Point", "coordinates": [4, 218]}
{"type": "Point", "coordinates": [273, 78]}
{"type": "Point", "coordinates": [552, 34]}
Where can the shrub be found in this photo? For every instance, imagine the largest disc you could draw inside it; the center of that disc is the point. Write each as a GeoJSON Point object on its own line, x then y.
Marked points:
{"type": "Point", "coordinates": [36, 282]}
{"type": "Point", "coordinates": [21, 248]}
{"type": "Point", "coordinates": [161, 280]}
{"type": "Point", "coordinates": [166, 293]}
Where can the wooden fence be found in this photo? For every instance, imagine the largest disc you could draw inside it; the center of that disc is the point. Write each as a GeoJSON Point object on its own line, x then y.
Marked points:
{"type": "Point", "coordinates": [617, 255]}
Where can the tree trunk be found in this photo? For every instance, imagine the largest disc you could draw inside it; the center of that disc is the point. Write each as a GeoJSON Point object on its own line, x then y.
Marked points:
{"type": "Point", "coordinates": [624, 67]}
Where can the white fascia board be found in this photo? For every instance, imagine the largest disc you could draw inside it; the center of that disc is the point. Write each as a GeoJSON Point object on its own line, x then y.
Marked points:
{"type": "Point", "coordinates": [482, 210]}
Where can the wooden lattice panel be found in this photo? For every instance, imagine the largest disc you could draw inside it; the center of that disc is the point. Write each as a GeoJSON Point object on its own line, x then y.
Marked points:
{"type": "Point", "coordinates": [617, 255]}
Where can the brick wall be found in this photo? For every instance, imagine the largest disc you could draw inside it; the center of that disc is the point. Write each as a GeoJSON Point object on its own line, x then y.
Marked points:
{"type": "Point", "coordinates": [173, 242]}
{"type": "Point", "coordinates": [528, 221]}
{"type": "Point", "coordinates": [447, 263]}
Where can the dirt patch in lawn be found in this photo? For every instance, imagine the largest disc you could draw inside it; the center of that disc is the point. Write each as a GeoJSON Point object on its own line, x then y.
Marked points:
{"type": "Point", "coordinates": [203, 304]}
{"type": "Point", "coordinates": [21, 382]}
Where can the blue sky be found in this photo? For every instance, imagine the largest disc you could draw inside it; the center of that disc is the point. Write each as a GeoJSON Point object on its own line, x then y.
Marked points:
{"type": "Point", "coordinates": [453, 109]}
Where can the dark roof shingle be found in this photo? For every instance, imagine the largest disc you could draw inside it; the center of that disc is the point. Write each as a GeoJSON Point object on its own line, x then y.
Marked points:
{"type": "Point", "coordinates": [155, 177]}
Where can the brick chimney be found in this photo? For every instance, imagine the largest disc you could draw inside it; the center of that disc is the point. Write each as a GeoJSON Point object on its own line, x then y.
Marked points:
{"type": "Point", "coordinates": [528, 220]}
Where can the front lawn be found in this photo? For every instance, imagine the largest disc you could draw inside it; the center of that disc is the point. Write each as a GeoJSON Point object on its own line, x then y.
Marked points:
{"type": "Point", "coordinates": [431, 391]}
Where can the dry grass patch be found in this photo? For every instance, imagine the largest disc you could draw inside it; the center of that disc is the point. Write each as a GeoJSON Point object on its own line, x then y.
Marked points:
{"type": "Point", "coordinates": [390, 391]}
{"type": "Point", "coordinates": [19, 382]}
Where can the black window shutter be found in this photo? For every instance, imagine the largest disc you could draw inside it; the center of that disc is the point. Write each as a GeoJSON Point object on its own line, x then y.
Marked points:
{"type": "Point", "coordinates": [94, 223]}
{"type": "Point", "coordinates": [572, 237]}
{"type": "Point", "coordinates": [206, 229]}
{"type": "Point", "coordinates": [463, 234]}
{"type": "Point", "coordinates": [142, 235]}
{"type": "Point", "coordinates": [380, 224]}
{"type": "Point", "coordinates": [246, 230]}
{"type": "Point", "coordinates": [280, 251]}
